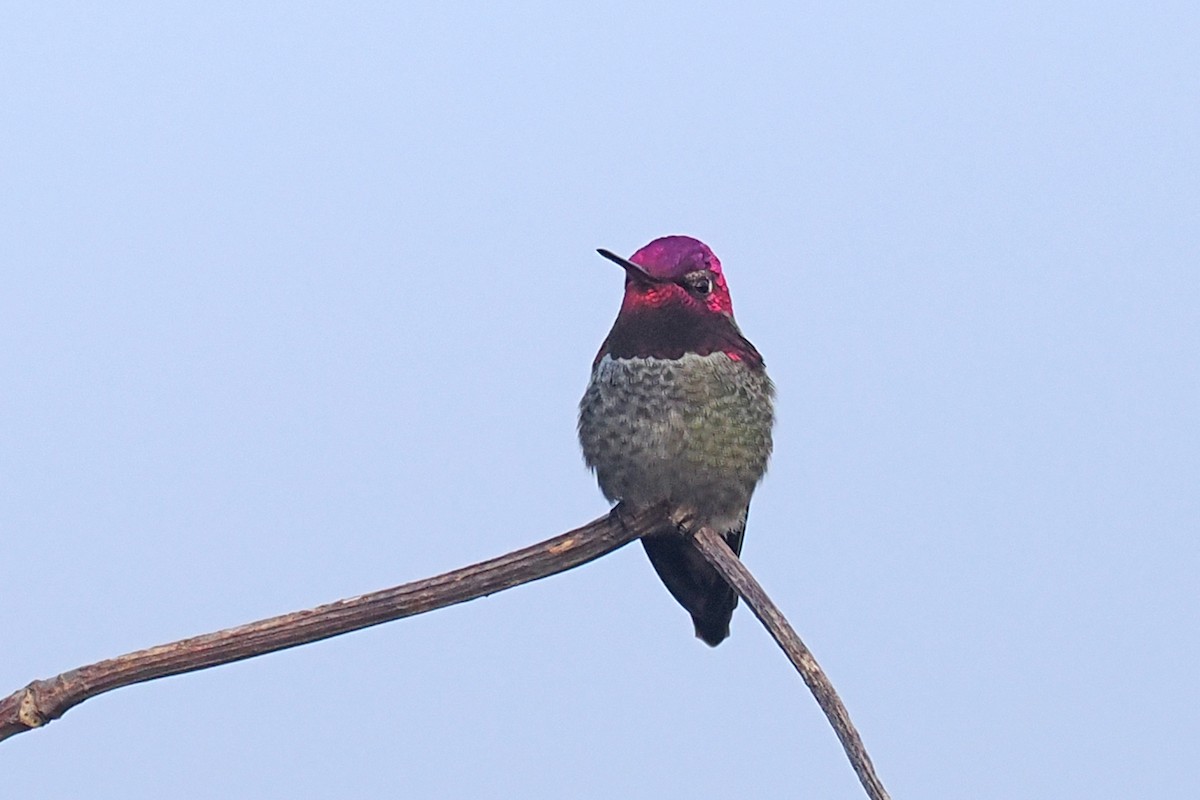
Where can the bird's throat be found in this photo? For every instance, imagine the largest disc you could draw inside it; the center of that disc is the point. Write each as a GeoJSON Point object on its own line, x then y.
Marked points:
{"type": "Point", "coordinates": [674, 331]}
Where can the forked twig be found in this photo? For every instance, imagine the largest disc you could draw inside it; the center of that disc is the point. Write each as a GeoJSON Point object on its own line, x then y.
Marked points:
{"type": "Point", "coordinates": [46, 700]}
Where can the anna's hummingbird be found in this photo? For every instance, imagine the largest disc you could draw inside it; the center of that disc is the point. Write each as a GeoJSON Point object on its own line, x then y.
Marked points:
{"type": "Point", "coordinates": [679, 408]}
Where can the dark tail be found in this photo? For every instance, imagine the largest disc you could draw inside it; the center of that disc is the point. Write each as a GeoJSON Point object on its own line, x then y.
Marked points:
{"type": "Point", "coordinates": [695, 583]}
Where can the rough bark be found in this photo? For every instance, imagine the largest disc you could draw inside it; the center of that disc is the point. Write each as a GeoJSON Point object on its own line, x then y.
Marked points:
{"type": "Point", "coordinates": [46, 700]}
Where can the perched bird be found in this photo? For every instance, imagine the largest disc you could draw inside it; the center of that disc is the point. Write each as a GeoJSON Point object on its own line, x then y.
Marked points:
{"type": "Point", "coordinates": [679, 408]}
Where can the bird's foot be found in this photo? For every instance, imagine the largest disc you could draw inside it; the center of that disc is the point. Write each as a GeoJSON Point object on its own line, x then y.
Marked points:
{"type": "Point", "coordinates": [685, 522]}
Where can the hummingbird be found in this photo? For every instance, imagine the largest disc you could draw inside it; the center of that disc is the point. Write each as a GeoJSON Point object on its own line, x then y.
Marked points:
{"type": "Point", "coordinates": [679, 409]}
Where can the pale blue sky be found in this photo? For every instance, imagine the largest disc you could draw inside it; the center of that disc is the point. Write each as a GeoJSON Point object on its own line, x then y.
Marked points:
{"type": "Point", "coordinates": [298, 304]}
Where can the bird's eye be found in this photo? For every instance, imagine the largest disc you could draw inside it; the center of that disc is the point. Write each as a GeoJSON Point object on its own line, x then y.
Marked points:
{"type": "Point", "coordinates": [702, 285]}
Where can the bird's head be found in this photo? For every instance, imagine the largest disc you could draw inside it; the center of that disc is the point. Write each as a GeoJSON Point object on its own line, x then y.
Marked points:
{"type": "Point", "coordinates": [676, 302]}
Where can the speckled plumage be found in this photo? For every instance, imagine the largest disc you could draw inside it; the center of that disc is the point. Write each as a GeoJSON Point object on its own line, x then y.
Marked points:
{"type": "Point", "coordinates": [694, 430]}
{"type": "Point", "coordinates": [680, 408]}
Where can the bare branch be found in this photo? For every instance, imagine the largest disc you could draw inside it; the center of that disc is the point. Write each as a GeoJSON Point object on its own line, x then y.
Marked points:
{"type": "Point", "coordinates": [714, 548]}
{"type": "Point", "coordinates": [43, 701]}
